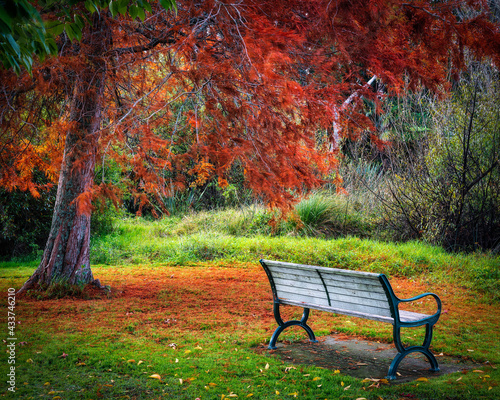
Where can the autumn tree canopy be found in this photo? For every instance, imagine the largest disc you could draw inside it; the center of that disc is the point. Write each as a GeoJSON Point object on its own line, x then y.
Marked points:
{"type": "Point", "coordinates": [179, 98]}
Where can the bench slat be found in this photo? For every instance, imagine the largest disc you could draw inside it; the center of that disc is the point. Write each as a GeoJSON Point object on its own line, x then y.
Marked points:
{"type": "Point", "coordinates": [359, 314]}
{"type": "Point", "coordinates": [288, 266]}
{"type": "Point", "coordinates": [409, 316]}
{"type": "Point", "coordinates": [344, 276]}
{"type": "Point", "coordinates": [356, 284]}
{"type": "Point", "coordinates": [302, 298]}
{"type": "Point", "coordinates": [314, 279]}
{"type": "Point", "coordinates": [337, 296]}
{"type": "Point", "coordinates": [315, 295]}
{"type": "Point", "coordinates": [314, 283]}
{"type": "Point", "coordinates": [310, 302]}
{"type": "Point", "coordinates": [348, 290]}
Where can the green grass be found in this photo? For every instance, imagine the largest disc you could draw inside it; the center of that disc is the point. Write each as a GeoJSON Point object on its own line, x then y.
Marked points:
{"type": "Point", "coordinates": [199, 367]}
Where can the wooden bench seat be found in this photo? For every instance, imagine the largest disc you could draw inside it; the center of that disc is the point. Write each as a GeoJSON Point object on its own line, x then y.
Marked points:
{"type": "Point", "coordinates": [354, 293]}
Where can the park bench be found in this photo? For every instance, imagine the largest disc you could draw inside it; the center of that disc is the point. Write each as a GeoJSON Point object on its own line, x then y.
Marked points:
{"type": "Point", "coordinates": [354, 293]}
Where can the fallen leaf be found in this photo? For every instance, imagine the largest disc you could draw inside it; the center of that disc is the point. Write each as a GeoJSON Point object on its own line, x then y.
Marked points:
{"type": "Point", "coordinates": [187, 352]}
{"type": "Point", "coordinates": [347, 387]}
{"type": "Point", "coordinates": [232, 395]}
{"type": "Point", "coordinates": [46, 384]}
{"type": "Point", "coordinates": [212, 384]}
{"type": "Point", "coordinates": [316, 378]}
{"type": "Point", "coordinates": [80, 364]}
{"type": "Point", "coordinates": [57, 398]}
{"type": "Point", "coordinates": [267, 366]}
{"type": "Point", "coordinates": [422, 379]}
{"type": "Point", "coordinates": [131, 361]}
{"type": "Point", "coordinates": [459, 379]}
{"type": "Point", "coordinates": [478, 371]}
{"type": "Point", "coordinates": [361, 398]}
{"type": "Point", "coordinates": [198, 348]}
{"type": "Point", "coordinates": [155, 376]}
{"type": "Point", "coordinates": [29, 360]}
{"type": "Point", "coordinates": [52, 392]}
{"type": "Point", "coordinates": [337, 371]}
{"type": "Point", "coordinates": [249, 394]}
{"type": "Point", "coordinates": [180, 381]}
{"type": "Point", "coordinates": [140, 362]}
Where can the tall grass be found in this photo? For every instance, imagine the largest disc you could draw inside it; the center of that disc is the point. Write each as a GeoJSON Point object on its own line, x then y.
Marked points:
{"type": "Point", "coordinates": [324, 214]}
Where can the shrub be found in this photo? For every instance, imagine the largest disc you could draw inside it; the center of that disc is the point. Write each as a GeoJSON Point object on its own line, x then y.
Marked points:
{"type": "Point", "coordinates": [24, 222]}
{"type": "Point", "coordinates": [447, 191]}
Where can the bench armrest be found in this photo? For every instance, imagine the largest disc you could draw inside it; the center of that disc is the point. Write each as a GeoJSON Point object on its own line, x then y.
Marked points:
{"type": "Point", "coordinates": [436, 297]}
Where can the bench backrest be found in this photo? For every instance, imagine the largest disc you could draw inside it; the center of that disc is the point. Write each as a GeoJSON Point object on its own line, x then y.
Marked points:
{"type": "Point", "coordinates": [346, 292]}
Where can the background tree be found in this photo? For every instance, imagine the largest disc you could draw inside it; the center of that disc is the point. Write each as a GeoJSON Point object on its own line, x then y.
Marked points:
{"type": "Point", "coordinates": [179, 99]}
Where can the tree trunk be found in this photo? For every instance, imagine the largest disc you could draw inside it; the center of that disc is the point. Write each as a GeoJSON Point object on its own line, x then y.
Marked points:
{"type": "Point", "coordinates": [66, 256]}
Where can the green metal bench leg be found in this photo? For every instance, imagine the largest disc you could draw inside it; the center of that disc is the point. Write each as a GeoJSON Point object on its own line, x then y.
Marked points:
{"type": "Point", "coordinates": [403, 352]}
{"type": "Point", "coordinates": [283, 325]}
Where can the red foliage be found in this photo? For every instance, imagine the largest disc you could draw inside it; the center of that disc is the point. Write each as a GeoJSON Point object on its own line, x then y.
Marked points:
{"type": "Point", "coordinates": [249, 82]}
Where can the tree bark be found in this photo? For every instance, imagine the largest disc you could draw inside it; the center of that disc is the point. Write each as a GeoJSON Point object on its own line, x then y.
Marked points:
{"type": "Point", "coordinates": [66, 257]}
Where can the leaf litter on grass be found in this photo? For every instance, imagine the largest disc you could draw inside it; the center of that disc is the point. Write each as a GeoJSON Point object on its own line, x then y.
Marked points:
{"type": "Point", "coordinates": [161, 304]}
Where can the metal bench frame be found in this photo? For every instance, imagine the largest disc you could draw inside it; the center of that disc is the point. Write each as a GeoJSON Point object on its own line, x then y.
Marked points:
{"type": "Point", "coordinates": [428, 320]}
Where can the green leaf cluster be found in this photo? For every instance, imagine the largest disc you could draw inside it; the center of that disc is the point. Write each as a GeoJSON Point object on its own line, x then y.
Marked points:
{"type": "Point", "coordinates": [22, 34]}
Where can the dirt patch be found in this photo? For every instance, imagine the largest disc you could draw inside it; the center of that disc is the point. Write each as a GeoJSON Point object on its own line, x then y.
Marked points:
{"type": "Point", "coordinates": [363, 358]}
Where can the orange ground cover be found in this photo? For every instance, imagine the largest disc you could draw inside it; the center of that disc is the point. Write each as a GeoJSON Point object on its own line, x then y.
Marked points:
{"type": "Point", "coordinates": [169, 299]}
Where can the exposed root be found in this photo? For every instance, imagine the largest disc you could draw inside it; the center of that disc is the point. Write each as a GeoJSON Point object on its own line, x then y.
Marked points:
{"type": "Point", "coordinates": [98, 285]}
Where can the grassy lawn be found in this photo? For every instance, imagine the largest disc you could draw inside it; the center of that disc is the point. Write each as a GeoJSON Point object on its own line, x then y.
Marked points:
{"type": "Point", "coordinates": [187, 312]}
